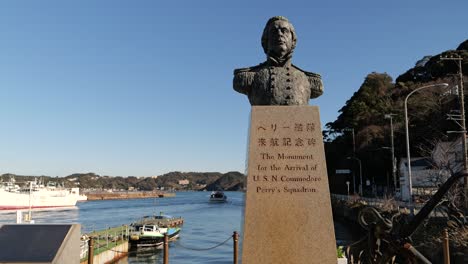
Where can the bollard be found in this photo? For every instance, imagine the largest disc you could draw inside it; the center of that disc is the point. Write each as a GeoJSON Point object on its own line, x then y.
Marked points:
{"type": "Point", "coordinates": [235, 238]}
{"type": "Point", "coordinates": [446, 246]}
{"type": "Point", "coordinates": [91, 250]}
{"type": "Point", "coordinates": [166, 249]}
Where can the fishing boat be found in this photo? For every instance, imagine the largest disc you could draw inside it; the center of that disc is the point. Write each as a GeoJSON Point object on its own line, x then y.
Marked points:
{"type": "Point", "coordinates": [35, 195]}
{"type": "Point", "coordinates": [150, 230]}
{"type": "Point", "coordinates": [218, 197]}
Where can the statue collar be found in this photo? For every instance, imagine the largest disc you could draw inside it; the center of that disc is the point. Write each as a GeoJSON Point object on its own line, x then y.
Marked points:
{"type": "Point", "coordinates": [279, 62]}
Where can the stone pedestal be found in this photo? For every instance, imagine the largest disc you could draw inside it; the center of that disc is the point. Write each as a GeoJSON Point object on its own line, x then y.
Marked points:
{"type": "Point", "coordinates": [288, 217]}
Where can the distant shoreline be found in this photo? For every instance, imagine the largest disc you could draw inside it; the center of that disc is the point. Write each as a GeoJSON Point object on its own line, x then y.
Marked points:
{"type": "Point", "coordinates": [127, 195]}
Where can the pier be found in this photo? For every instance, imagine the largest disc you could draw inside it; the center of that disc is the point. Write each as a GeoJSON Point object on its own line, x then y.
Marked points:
{"type": "Point", "coordinates": [105, 246]}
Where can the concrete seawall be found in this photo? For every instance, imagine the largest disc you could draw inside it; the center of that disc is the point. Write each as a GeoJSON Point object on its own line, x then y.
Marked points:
{"type": "Point", "coordinates": [111, 255]}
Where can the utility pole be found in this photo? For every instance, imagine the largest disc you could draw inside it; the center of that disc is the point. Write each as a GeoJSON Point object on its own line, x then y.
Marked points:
{"type": "Point", "coordinates": [360, 173]}
{"type": "Point", "coordinates": [463, 123]}
{"type": "Point", "coordinates": [389, 116]}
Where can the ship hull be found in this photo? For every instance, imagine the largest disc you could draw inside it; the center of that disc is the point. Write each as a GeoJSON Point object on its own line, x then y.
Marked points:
{"type": "Point", "coordinates": [41, 199]}
{"type": "Point", "coordinates": [155, 240]}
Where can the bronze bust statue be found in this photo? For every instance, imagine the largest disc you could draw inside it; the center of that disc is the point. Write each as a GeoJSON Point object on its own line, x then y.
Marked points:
{"type": "Point", "coordinates": [277, 81]}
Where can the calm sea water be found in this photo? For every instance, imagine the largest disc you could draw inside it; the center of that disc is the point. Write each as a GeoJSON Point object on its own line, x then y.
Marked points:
{"type": "Point", "coordinates": [205, 224]}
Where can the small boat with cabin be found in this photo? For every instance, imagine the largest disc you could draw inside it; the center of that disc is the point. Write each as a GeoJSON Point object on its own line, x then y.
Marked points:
{"type": "Point", "coordinates": [150, 230]}
{"type": "Point", "coordinates": [218, 197]}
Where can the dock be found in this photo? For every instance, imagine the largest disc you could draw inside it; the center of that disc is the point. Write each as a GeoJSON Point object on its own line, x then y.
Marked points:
{"type": "Point", "coordinates": [106, 246]}
{"type": "Point", "coordinates": [111, 244]}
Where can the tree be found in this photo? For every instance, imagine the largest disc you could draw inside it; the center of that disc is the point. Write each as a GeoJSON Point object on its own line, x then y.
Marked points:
{"type": "Point", "coordinates": [367, 105]}
{"type": "Point", "coordinates": [364, 112]}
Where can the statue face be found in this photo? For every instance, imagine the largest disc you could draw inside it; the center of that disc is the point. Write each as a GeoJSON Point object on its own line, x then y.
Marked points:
{"type": "Point", "coordinates": [280, 39]}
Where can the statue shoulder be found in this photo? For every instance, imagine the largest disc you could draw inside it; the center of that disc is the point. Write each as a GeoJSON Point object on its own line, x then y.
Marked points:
{"type": "Point", "coordinates": [243, 78]}
{"type": "Point", "coordinates": [315, 80]}
{"type": "Point", "coordinates": [308, 74]}
{"type": "Point", "coordinates": [252, 69]}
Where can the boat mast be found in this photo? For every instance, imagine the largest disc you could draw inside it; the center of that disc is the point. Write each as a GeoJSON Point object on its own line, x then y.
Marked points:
{"type": "Point", "coordinates": [30, 191]}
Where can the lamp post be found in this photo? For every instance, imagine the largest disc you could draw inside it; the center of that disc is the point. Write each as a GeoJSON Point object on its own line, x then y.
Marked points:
{"type": "Point", "coordinates": [354, 153]}
{"type": "Point", "coordinates": [360, 172]}
{"type": "Point", "coordinates": [389, 116]}
{"type": "Point", "coordinates": [408, 156]}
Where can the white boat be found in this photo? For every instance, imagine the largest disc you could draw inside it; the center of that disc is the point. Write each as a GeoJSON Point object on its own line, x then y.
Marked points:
{"type": "Point", "coordinates": [152, 235]}
{"type": "Point", "coordinates": [36, 195]}
{"type": "Point", "coordinates": [150, 230]}
{"type": "Point", "coordinates": [218, 197]}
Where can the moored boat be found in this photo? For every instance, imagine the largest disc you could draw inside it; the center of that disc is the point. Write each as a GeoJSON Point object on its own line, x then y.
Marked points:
{"type": "Point", "coordinates": [151, 235]}
{"type": "Point", "coordinates": [218, 197]}
{"type": "Point", "coordinates": [150, 230]}
{"type": "Point", "coordinates": [36, 195]}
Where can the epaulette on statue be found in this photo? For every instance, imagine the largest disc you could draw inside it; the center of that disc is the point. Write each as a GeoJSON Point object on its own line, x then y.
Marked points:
{"type": "Point", "coordinates": [243, 78]}
{"type": "Point", "coordinates": [309, 74]}
{"type": "Point", "coordinates": [248, 69]}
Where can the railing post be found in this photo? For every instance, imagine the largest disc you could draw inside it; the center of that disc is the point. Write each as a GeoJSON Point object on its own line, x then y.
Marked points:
{"type": "Point", "coordinates": [91, 250]}
{"type": "Point", "coordinates": [235, 238]}
{"type": "Point", "coordinates": [446, 247]}
{"type": "Point", "coordinates": [107, 237]}
{"type": "Point", "coordinates": [166, 249]}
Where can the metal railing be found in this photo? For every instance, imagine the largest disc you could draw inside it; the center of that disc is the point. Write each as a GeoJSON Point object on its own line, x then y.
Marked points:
{"type": "Point", "coordinates": [379, 203]}
{"type": "Point", "coordinates": [94, 245]}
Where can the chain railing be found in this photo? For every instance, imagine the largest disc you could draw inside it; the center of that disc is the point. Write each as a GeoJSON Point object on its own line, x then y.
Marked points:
{"type": "Point", "coordinates": [178, 244]}
{"type": "Point", "coordinates": [98, 244]}
{"type": "Point", "coordinates": [234, 237]}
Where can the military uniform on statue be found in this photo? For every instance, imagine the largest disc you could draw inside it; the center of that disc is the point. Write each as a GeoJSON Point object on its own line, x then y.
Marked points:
{"type": "Point", "coordinates": [263, 84]}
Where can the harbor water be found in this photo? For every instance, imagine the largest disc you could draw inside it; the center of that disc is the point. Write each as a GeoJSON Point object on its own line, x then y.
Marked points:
{"type": "Point", "coordinates": [206, 224]}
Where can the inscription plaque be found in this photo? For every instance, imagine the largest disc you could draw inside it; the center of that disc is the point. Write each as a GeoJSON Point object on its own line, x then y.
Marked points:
{"type": "Point", "coordinates": [288, 217]}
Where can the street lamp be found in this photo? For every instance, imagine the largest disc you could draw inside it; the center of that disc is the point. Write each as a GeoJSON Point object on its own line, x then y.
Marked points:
{"type": "Point", "coordinates": [408, 156]}
{"type": "Point", "coordinates": [389, 116]}
{"type": "Point", "coordinates": [360, 172]}
{"type": "Point", "coordinates": [350, 129]}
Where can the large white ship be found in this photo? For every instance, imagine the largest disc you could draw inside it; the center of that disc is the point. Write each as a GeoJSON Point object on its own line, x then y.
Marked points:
{"type": "Point", "coordinates": [35, 195]}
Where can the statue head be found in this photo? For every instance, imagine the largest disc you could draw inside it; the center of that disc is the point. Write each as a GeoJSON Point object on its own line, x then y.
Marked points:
{"type": "Point", "coordinates": [279, 37]}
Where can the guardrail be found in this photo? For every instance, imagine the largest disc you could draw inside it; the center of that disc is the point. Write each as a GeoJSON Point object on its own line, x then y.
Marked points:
{"type": "Point", "coordinates": [378, 203]}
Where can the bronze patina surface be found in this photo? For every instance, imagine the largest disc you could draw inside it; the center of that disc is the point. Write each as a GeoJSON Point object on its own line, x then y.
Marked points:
{"type": "Point", "coordinates": [277, 81]}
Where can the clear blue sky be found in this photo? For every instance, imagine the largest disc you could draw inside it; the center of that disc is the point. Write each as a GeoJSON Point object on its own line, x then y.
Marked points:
{"type": "Point", "coordinates": [145, 87]}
